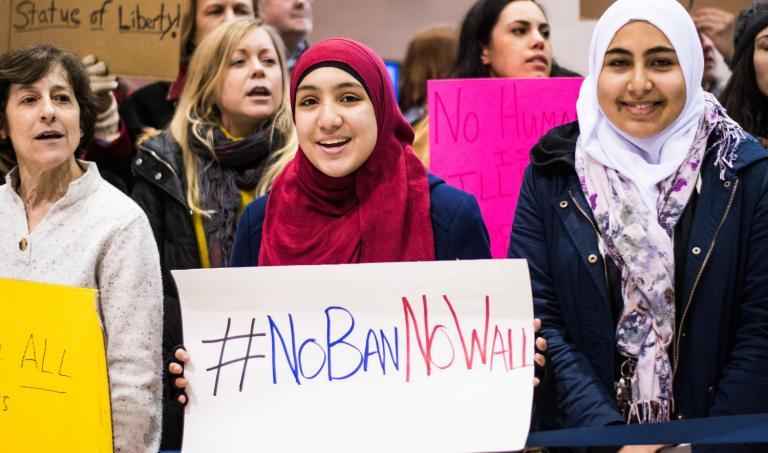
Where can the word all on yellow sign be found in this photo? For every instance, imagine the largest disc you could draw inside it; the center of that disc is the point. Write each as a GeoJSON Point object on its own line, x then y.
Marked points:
{"type": "Point", "coordinates": [54, 390]}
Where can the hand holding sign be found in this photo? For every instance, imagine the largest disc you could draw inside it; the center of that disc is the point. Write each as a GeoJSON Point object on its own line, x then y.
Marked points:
{"type": "Point", "coordinates": [177, 369]}
{"type": "Point", "coordinates": [103, 84]}
{"type": "Point", "coordinates": [136, 37]}
{"type": "Point", "coordinates": [443, 357]}
{"type": "Point", "coordinates": [53, 370]}
{"type": "Point", "coordinates": [182, 358]}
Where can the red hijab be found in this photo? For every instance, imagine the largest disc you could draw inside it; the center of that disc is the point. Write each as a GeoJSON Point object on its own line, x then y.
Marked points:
{"type": "Point", "coordinates": [378, 213]}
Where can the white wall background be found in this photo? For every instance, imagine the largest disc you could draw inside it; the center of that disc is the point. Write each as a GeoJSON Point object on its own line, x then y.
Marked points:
{"type": "Point", "coordinates": [388, 25]}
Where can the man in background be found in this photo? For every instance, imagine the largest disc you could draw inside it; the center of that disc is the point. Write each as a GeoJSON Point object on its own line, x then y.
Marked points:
{"type": "Point", "coordinates": [716, 28]}
{"type": "Point", "coordinates": [713, 80]}
{"type": "Point", "coordinates": [293, 20]}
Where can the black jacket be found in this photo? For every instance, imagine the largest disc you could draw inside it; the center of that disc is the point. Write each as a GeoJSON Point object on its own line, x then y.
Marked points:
{"type": "Point", "coordinates": [160, 188]}
{"type": "Point", "coordinates": [148, 107]}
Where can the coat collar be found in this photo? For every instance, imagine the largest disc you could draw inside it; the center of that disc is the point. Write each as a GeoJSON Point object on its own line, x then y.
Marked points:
{"type": "Point", "coordinates": [158, 161]}
{"type": "Point", "coordinates": [557, 148]}
{"type": "Point", "coordinates": [750, 151]}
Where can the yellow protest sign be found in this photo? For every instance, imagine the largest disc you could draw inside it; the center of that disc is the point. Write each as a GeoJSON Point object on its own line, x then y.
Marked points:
{"type": "Point", "coordinates": [135, 37]}
{"type": "Point", "coordinates": [54, 390]}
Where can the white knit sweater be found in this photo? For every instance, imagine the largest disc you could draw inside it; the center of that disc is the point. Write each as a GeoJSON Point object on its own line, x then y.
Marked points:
{"type": "Point", "coordinates": [96, 237]}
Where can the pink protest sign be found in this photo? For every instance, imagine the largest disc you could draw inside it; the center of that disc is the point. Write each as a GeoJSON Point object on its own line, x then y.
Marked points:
{"type": "Point", "coordinates": [481, 132]}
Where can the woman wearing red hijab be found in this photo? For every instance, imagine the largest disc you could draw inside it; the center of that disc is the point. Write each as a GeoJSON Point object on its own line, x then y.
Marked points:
{"type": "Point", "coordinates": [355, 192]}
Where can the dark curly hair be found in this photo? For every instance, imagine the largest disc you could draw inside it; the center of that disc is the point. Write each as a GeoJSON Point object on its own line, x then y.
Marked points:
{"type": "Point", "coordinates": [27, 66]}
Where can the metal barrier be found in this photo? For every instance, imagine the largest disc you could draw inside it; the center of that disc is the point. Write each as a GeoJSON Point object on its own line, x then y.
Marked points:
{"type": "Point", "coordinates": [737, 429]}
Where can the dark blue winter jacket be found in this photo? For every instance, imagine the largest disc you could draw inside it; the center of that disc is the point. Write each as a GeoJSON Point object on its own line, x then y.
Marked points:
{"type": "Point", "coordinates": [720, 348]}
{"type": "Point", "coordinates": [457, 225]}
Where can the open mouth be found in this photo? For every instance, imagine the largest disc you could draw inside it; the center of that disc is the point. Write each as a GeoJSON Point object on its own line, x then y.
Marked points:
{"type": "Point", "coordinates": [49, 135]}
{"type": "Point", "coordinates": [640, 108]}
{"type": "Point", "coordinates": [259, 92]}
{"type": "Point", "coordinates": [334, 143]}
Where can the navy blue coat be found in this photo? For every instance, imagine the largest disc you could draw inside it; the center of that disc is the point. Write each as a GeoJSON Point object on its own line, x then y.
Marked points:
{"type": "Point", "coordinates": [457, 226]}
{"type": "Point", "coordinates": [720, 349]}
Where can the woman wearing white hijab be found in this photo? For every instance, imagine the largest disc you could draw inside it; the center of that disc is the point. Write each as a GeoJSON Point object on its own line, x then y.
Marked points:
{"type": "Point", "coordinates": [645, 226]}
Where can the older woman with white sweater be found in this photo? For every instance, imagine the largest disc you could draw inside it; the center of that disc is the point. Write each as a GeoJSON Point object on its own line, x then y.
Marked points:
{"type": "Point", "coordinates": [62, 223]}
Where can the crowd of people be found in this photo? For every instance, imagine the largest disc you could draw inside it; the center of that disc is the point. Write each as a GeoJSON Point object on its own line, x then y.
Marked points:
{"type": "Point", "coordinates": [641, 222]}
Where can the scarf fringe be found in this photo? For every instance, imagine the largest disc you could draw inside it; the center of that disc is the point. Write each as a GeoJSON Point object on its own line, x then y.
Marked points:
{"type": "Point", "coordinates": [645, 412]}
{"type": "Point", "coordinates": [729, 131]}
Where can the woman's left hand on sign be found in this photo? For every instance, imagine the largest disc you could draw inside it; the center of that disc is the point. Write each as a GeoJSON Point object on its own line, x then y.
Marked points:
{"type": "Point", "coordinates": [541, 349]}
{"type": "Point", "coordinates": [177, 369]}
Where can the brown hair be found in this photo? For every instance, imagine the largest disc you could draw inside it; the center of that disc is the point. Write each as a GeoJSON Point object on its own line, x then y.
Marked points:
{"type": "Point", "coordinates": [27, 66]}
{"type": "Point", "coordinates": [431, 55]}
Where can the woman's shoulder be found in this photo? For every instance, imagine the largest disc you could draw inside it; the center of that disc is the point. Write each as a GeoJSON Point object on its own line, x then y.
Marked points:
{"type": "Point", "coordinates": [156, 154]}
{"type": "Point", "coordinates": [117, 208]}
{"type": "Point", "coordinates": [253, 216]}
{"type": "Point", "coordinates": [457, 224]}
{"type": "Point", "coordinates": [747, 160]}
{"type": "Point", "coordinates": [556, 148]}
{"type": "Point", "coordinates": [449, 204]}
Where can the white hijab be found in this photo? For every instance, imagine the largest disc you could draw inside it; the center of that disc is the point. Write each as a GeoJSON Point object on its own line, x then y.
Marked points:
{"type": "Point", "coordinates": [650, 160]}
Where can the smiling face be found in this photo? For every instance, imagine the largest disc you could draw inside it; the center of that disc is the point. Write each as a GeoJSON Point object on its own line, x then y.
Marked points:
{"type": "Point", "coordinates": [335, 121]}
{"type": "Point", "coordinates": [519, 44]}
{"type": "Point", "coordinates": [760, 59]}
{"type": "Point", "coordinates": [251, 88]}
{"type": "Point", "coordinates": [212, 13]}
{"type": "Point", "coordinates": [641, 88]}
{"type": "Point", "coordinates": [42, 121]}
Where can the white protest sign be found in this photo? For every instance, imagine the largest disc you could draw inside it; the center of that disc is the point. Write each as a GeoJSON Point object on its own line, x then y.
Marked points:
{"type": "Point", "coordinates": [406, 357]}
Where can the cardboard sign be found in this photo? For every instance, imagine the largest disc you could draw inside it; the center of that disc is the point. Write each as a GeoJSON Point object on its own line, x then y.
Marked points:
{"type": "Point", "coordinates": [593, 9]}
{"type": "Point", "coordinates": [54, 390]}
{"type": "Point", "coordinates": [480, 136]}
{"type": "Point", "coordinates": [427, 357]}
{"type": "Point", "coordinates": [135, 37]}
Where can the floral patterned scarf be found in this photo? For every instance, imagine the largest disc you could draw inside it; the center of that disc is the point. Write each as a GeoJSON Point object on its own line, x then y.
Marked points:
{"type": "Point", "coordinates": [640, 242]}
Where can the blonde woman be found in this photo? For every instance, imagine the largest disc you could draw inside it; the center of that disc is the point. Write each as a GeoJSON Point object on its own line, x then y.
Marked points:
{"type": "Point", "coordinates": [231, 135]}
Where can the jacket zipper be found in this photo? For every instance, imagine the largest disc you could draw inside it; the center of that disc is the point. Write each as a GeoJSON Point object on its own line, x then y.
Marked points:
{"type": "Point", "coordinates": [678, 335]}
{"type": "Point", "coordinates": [597, 234]}
{"type": "Point", "coordinates": [162, 161]}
